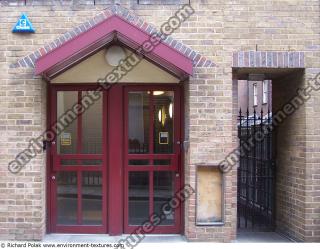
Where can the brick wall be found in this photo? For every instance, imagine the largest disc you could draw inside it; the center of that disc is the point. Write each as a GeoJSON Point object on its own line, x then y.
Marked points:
{"type": "Point", "coordinates": [218, 29]}
{"type": "Point", "coordinates": [23, 115]}
{"type": "Point", "coordinates": [291, 169]}
{"type": "Point", "coordinates": [312, 183]}
{"type": "Point", "coordinates": [297, 161]}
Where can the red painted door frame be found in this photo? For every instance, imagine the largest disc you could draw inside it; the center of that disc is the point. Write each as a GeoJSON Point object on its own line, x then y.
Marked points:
{"type": "Point", "coordinates": [115, 160]}
{"type": "Point", "coordinates": [55, 165]}
{"type": "Point", "coordinates": [114, 156]}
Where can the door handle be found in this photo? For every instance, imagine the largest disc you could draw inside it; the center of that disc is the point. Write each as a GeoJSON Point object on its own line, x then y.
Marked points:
{"type": "Point", "coordinates": [180, 145]}
{"type": "Point", "coordinates": [177, 174]}
{"type": "Point", "coordinates": [53, 177]}
{"type": "Point", "coordinates": [46, 144]}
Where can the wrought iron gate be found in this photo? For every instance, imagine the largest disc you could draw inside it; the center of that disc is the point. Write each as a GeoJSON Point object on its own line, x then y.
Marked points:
{"type": "Point", "coordinates": [256, 172]}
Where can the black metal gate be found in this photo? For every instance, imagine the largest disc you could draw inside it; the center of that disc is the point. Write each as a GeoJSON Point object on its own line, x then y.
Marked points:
{"type": "Point", "coordinates": [256, 172]}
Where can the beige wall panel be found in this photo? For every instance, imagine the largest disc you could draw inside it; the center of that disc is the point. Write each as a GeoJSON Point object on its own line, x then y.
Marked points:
{"type": "Point", "coordinates": [96, 67]}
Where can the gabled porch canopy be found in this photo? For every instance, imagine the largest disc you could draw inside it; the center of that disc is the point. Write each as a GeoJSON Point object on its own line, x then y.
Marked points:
{"type": "Point", "coordinates": [114, 28]}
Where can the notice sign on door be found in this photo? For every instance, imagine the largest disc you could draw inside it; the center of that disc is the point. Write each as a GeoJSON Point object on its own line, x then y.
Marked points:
{"type": "Point", "coordinates": [65, 139]}
{"type": "Point", "coordinates": [163, 137]}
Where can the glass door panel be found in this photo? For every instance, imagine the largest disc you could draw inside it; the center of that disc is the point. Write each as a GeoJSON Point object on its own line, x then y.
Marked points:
{"type": "Point", "coordinates": [138, 197]}
{"type": "Point", "coordinates": [79, 134]}
{"type": "Point", "coordinates": [91, 136]}
{"type": "Point", "coordinates": [163, 122]}
{"type": "Point", "coordinates": [67, 198]}
{"type": "Point", "coordinates": [163, 191]}
{"type": "Point", "coordinates": [92, 198]}
{"type": "Point", "coordinates": [139, 120]}
{"type": "Point", "coordinates": [67, 138]}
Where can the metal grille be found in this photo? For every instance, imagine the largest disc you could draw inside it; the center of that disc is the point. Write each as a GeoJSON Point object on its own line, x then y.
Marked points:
{"type": "Point", "coordinates": [256, 172]}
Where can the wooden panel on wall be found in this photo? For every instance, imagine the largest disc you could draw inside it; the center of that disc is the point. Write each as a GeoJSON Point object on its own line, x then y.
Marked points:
{"type": "Point", "coordinates": [209, 195]}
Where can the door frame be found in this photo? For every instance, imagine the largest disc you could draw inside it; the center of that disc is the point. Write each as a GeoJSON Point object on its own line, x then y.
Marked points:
{"type": "Point", "coordinates": [166, 229]}
{"type": "Point", "coordinates": [120, 88]}
{"type": "Point", "coordinates": [52, 170]}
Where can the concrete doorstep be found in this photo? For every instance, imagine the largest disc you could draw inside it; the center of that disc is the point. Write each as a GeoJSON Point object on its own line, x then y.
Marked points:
{"type": "Point", "coordinates": [243, 237]}
{"type": "Point", "coordinates": [83, 238]}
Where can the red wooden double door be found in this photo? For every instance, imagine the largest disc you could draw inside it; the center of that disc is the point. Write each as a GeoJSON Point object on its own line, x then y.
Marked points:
{"type": "Point", "coordinates": [115, 159]}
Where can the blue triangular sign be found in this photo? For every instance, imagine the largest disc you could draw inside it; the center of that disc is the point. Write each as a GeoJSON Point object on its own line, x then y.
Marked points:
{"type": "Point", "coordinates": [23, 25]}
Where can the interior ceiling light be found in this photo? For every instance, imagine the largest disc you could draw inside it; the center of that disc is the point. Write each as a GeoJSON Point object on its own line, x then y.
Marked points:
{"type": "Point", "coordinates": [158, 92]}
{"type": "Point", "coordinates": [170, 110]}
{"type": "Point", "coordinates": [114, 54]}
{"type": "Point", "coordinates": [162, 116]}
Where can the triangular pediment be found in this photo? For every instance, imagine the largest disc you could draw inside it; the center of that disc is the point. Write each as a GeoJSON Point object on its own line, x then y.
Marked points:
{"type": "Point", "coordinates": [115, 24]}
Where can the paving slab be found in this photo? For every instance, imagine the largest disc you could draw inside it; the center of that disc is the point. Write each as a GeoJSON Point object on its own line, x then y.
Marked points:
{"type": "Point", "coordinates": [261, 237]}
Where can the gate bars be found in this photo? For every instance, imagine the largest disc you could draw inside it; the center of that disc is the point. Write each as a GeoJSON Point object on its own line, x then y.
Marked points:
{"type": "Point", "coordinates": [256, 173]}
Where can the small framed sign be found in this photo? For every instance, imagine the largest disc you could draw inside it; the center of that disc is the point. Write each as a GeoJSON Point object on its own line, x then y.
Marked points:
{"type": "Point", "coordinates": [65, 139]}
{"type": "Point", "coordinates": [163, 137]}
